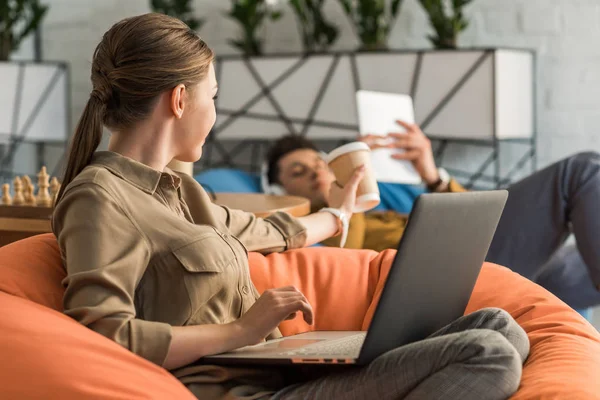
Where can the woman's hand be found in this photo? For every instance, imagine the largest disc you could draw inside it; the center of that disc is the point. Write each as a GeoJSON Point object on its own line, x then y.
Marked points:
{"type": "Point", "coordinates": [416, 146]}
{"type": "Point", "coordinates": [273, 307]}
{"type": "Point", "coordinates": [320, 226]}
{"type": "Point", "coordinates": [344, 198]}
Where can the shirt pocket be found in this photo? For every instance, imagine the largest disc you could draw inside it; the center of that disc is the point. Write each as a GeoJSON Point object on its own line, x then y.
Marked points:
{"type": "Point", "coordinates": [209, 270]}
{"type": "Point", "coordinates": [209, 253]}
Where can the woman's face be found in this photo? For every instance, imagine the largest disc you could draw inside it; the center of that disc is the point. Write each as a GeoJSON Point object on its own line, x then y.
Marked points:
{"type": "Point", "coordinates": [198, 118]}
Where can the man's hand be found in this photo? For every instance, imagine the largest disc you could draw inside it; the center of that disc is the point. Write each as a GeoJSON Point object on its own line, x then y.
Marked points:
{"type": "Point", "coordinates": [416, 149]}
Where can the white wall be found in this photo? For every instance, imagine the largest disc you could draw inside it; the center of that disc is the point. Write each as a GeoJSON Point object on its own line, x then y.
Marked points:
{"type": "Point", "coordinates": [564, 33]}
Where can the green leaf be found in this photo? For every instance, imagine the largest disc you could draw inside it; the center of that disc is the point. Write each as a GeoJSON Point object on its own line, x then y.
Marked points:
{"type": "Point", "coordinates": [18, 19]}
{"type": "Point", "coordinates": [238, 44]}
{"type": "Point", "coordinates": [371, 20]}
{"type": "Point", "coordinates": [180, 9]}
{"type": "Point", "coordinates": [447, 27]}
{"type": "Point", "coordinates": [317, 33]}
{"type": "Point", "coordinates": [276, 15]}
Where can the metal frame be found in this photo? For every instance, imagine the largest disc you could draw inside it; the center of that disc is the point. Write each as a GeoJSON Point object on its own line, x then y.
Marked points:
{"type": "Point", "coordinates": [256, 146]}
{"type": "Point", "coordinates": [16, 139]}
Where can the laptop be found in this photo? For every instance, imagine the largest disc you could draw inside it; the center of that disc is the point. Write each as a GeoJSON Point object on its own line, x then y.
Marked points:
{"type": "Point", "coordinates": [429, 285]}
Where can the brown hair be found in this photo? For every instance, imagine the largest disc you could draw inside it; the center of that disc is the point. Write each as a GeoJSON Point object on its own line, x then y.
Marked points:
{"type": "Point", "coordinates": [282, 147]}
{"type": "Point", "coordinates": [138, 59]}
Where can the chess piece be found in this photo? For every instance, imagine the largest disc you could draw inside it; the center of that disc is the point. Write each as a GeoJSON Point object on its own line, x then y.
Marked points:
{"type": "Point", "coordinates": [43, 198]}
{"type": "Point", "coordinates": [54, 188]}
{"type": "Point", "coordinates": [28, 193]}
{"type": "Point", "coordinates": [18, 200]}
{"type": "Point", "coordinates": [6, 199]}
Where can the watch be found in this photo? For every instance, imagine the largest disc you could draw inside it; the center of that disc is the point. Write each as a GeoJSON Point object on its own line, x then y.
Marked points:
{"type": "Point", "coordinates": [343, 223]}
{"type": "Point", "coordinates": [444, 179]}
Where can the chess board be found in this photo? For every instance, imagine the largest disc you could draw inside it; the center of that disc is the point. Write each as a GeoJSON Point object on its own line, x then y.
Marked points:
{"type": "Point", "coordinates": [26, 210]}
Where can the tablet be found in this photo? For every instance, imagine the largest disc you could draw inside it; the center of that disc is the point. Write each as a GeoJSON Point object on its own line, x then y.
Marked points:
{"type": "Point", "coordinates": [377, 115]}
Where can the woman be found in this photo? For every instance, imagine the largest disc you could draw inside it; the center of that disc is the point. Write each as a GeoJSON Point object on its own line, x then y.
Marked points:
{"type": "Point", "coordinates": [155, 266]}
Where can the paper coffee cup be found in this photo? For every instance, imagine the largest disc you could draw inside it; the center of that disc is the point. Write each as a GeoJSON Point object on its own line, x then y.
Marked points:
{"type": "Point", "coordinates": [343, 161]}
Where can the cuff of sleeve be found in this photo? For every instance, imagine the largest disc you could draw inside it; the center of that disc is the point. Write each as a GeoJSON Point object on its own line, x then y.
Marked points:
{"type": "Point", "coordinates": [595, 276]}
{"type": "Point", "coordinates": [150, 340]}
{"type": "Point", "coordinates": [455, 187]}
{"type": "Point", "coordinates": [293, 232]}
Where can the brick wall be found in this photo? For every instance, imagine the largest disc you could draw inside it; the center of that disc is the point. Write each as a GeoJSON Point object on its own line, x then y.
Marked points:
{"type": "Point", "coordinates": [564, 33]}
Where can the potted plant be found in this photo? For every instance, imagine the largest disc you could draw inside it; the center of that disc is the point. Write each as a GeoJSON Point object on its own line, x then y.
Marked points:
{"type": "Point", "coordinates": [373, 21]}
{"type": "Point", "coordinates": [447, 20]}
{"type": "Point", "coordinates": [18, 19]}
{"type": "Point", "coordinates": [250, 15]}
{"type": "Point", "coordinates": [180, 9]}
{"type": "Point", "coordinates": [318, 34]}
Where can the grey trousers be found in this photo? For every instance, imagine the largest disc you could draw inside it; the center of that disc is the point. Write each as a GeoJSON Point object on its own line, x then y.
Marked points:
{"type": "Point", "coordinates": [542, 211]}
{"type": "Point", "coordinates": [479, 356]}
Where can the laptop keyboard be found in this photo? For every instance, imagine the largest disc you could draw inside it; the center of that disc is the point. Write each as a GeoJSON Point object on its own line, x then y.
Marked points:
{"type": "Point", "coordinates": [349, 346]}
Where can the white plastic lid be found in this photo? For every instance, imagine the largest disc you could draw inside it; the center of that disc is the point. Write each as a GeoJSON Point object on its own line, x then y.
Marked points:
{"type": "Point", "coordinates": [347, 148]}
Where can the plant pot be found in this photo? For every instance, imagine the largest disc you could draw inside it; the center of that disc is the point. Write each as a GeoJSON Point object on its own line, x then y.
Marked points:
{"type": "Point", "coordinates": [34, 109]}
{"type": "Point", "coordinates": [481, 94]}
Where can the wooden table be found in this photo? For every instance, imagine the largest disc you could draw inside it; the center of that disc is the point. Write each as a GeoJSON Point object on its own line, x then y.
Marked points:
{"type": "Point", "coordinates": [20, 222]}
{"type": "Point", "coordinates": [263, 205]}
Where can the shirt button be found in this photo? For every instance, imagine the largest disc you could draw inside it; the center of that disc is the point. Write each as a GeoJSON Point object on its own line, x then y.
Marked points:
{"type": "Point", "coordinates": [225, 236]}
{"type": "Point", "coordinates": [245, 290]}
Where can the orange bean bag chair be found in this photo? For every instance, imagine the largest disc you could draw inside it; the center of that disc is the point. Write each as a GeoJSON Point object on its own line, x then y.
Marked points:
{"type": "Point", "coordinates": [47, 355]}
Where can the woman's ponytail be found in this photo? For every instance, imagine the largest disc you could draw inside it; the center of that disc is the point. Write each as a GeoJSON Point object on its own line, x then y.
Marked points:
{"type": "Point", "coordinates": [85, 141]}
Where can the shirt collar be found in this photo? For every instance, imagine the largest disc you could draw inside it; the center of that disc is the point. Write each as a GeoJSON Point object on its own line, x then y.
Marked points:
{"type": "Point", "coordinates": [139, 175]}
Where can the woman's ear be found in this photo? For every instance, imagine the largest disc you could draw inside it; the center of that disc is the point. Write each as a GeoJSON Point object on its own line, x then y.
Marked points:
{"type": "Point", "coordinates": [178, 100]}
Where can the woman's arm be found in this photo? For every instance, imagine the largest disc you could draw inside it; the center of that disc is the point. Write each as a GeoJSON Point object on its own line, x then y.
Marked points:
{"type": "Point", "coordinates": [190, 343]}
{"type": "Point", "coordinates": [279, 231]}
{"type": "Point", "coordinates": [323, 225]}
{"type": "Point", "coordinates": [319, 226]}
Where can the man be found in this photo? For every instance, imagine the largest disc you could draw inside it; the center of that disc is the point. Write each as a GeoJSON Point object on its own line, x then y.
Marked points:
{"type": "Point", "coordinates": [541, 213]}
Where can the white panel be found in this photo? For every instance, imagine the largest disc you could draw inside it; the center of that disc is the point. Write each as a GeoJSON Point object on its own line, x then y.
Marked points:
{"type": "Point", "coordinates": [386, 72]}
{"type": "Point", "coordinates": [514, 94]}
{"type": "Point", "coordinates": [264, 106]}
{"type": "Point", "coordinates": [25, 160]}
{"type": "Point", "coordinates": [220, 119]}
{"type": "Point", "coordinates": [269, 69]}
{"type": "Point", "coordinates": [298, 127]}
{"type": "Point", "coordinates": [298, 92]}
{"type": "Point", "coordinates": [8, 82]}
{"type": "Point", "coordinates": [36, 79]}
{"type": "Point", "coordinates": [470, 113]}
{"type": "Point", "coordinates": [236, 86]}
{"type": "Point", "coordinates": [250, 128]}
{"type": "Point", "coordinates": [339, 102]}
{"type": "Point", "coordinates": [440, 72]}
{"type": "Point", "coordinates": [320, 133]}
{"type": "Point", "coordinates": [50, 124]}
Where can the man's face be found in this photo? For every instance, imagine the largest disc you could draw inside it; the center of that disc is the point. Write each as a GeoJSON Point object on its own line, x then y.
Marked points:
{"type": "Point", "coordinates": [304, 173]}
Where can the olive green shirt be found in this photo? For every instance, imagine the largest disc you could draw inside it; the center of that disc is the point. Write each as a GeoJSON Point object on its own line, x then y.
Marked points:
{"type": "Point", "coordinates": [145, 250]}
